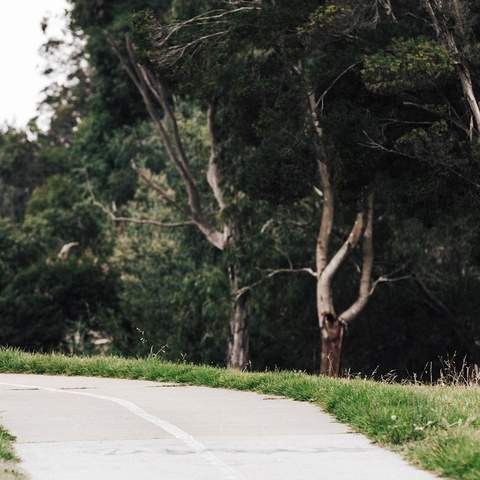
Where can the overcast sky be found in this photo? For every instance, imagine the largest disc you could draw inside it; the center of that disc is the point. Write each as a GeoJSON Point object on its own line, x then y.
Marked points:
{"type": "Point", "coordinates": [20, 39]}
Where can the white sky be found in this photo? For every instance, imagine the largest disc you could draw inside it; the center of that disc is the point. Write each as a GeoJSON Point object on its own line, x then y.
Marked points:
{"type": "Point", "coordinates": [20, 40]}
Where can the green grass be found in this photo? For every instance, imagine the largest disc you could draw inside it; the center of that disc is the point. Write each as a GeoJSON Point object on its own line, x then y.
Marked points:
{"type": "Point", "coordinates": [8, 459]}
{"type": "Point", "coordinates": [6, 450]}
{"type": "Point", "coordinates": [436, 427]}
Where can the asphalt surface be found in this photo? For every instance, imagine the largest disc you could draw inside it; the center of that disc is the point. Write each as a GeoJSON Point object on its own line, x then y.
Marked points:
{"type": "Point", "coordinates": [77, 428]}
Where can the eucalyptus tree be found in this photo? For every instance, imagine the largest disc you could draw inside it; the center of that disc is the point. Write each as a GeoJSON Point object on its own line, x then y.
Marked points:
{"type": "Point", "coordinates": [283, 39]}
{"type": "Point", "coordinates": [337, 95]}
{"type": "Point", "coordinates": [223, 233]}
{"type": "Point", "coordinates": [221, 228]}
{"type": "Point", "coordinates": [201, 57]}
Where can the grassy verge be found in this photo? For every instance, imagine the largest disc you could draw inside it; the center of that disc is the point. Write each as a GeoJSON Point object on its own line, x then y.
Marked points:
{"type": "Point", "coordinates": [436, 427]}
{"type": "Point", "coordinates": [8, 460]}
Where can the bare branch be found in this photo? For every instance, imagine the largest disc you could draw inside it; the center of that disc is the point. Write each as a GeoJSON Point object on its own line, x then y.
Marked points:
{"type": "Point", "coordinates": [364, 291]}
{"type": "Point", "coordinates": [272, 273]}
{"type": "Point", "coordinates": [125, 64]}
{"type": "Point", "coordinates": [159, 93]}
{"type": "Point", "coordinates": [425, 108]}
{"type": "Point", "coordinates": [320, 101]}
{"type": "Point", "coordinates": [65, 250]}
{"type": "Point", "coordinates": [153, 92]}
{"type": "Point", "coordinates": [386, 279]}
{"type": "Point", "coordinates": [143, 221]}
{"type": "Point", "coordinates": [168, 55]}
{"type": "Point", "coordinates": [137, 75]}
{"type": "Point", "coordinates": [378, 146]}
{"type": "Point", "coordinates": [149, 181]}
{"type": "Point", "coordinates": [344, 251]}
{"type": "Point", "coordinates": [308, 270]}
{"type": "Point", "coordinates": [375, 145]}
{"type": "Point", "coordinates": [149, 221]}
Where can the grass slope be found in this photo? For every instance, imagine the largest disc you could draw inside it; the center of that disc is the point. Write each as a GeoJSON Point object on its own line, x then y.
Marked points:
{"type": "Point", "coordinates": [436, 427]}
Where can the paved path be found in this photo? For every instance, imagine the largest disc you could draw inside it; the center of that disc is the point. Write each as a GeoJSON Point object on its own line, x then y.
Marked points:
{"type": "Point", "coordinates": [77, 428]}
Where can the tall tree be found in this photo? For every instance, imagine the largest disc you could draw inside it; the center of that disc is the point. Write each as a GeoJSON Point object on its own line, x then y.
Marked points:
{"type": "Point", "coordinates": [336, 94]}
{"type": "Point", "coordinates": [171, 43]}
{"type": "Point", "coordinates": [220, 230]}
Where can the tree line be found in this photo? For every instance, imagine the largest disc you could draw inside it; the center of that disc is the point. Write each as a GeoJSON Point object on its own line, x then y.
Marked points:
{"type": "Point", "coordinates": [261, 183]}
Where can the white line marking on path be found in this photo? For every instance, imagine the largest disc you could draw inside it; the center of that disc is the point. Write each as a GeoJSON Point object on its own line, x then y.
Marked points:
{"type": "Point", "coordinates": [178, 433]}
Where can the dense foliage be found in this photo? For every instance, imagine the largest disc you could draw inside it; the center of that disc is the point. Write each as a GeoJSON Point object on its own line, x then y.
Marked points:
{"type": "Point", "coordinates": [395, 114]}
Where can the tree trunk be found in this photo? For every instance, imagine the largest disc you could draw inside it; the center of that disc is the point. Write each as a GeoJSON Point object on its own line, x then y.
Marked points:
{"type": "Point", "coordinates": [238, 343]}
{"type": "Point", "coordinates": [332, 340]}
{"type": "Point", "coordinates": [332, 326]}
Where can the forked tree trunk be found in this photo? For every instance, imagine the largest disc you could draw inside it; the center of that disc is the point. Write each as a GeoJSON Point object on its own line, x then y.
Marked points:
{"type": "Point", "coordinates": [332, 332]}
{"type": "Point", "coordinates": [332, 326]}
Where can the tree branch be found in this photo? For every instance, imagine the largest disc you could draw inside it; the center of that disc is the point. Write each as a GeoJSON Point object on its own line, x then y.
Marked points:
{"type": "Point", "coordinates": [344, 251]}
{"type": "Point", "coordinates": [158, 91]}
{"type": "Point", "coordinates": [213, 174]}
{"type": "Point", "coordinates": [148, 221]}
{"type": "Point", "coordinates": [320, 101]}
{"type": "Point", "coordinates": [457, 123]}
{"type": "Point", "coordinates": [142, 221]}
{"type": "Point", "coordinates": [367, 265]}
{"type": "Point", "coordinates": [272, 273]}
{"type": "Point", "coordinates": [215, 20]}
{"type": "Point", "coordinates": [149, 181]}
{"type": "Point", "coordinates": [152, 91]}
{"type": "Point", "coordinates": [386, 279]}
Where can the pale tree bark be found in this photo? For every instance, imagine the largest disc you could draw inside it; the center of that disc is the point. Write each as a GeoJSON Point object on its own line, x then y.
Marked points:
{"type": "Point", "coordinates": [222, 237]}
{"type": "Point", "coordinates": [383, 7]}
{"type": "Point", "coordinates": [332, 326]}
{"type": "Point", "coordinates": [239, 340]}
{"type": "Point", "coordinates": [365, 288]}
{"type": "Point", "coordinates": [441, 12]}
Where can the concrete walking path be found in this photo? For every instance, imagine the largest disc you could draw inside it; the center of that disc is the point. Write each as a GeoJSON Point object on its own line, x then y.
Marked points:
{"type": "Point", "coordinates": [77, 428]}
